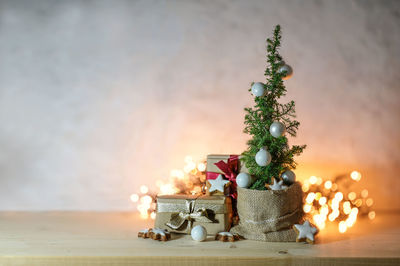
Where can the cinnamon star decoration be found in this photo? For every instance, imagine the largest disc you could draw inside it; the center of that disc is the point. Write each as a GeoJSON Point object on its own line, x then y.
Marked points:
{"type": "Point", "coordinates": [276, 185]}
{"type": "Point", "coordinates": [143, 233]}
{"type": "Point", "coordinates": [155, 234]}
{"type": "Point", "coordinates": [218, 184]}
{"type": "Point", "coordinates": [305, 232]}
{"type": "Point", "coordinates": [226, 236]}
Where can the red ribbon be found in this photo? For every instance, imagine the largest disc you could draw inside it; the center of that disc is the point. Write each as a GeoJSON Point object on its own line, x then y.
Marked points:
{"type": "Point", "coordinates": [230, 170]}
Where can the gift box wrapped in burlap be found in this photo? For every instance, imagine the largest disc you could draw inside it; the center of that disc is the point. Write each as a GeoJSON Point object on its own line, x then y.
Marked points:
{"type": "Point", "coordinates": [269, 215]}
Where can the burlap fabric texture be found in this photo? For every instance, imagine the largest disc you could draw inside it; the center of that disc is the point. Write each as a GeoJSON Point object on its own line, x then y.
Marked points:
{"type": "Point", "coordinates": [269, 215]}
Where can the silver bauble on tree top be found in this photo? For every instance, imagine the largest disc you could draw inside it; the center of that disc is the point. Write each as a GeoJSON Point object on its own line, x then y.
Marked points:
{"type": "Point", "coordinates": [258, 89]}
{"type": "Point", "coordinates": [288, 177]}
{"type": "Point", "coordinates": [263, 157]}
{"type": "Point", "coordinates": [277, 129]}
{"type": "Point", "coordinates": [287, 69]}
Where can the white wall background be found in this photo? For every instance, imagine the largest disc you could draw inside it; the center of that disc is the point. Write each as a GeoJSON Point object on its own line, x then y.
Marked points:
{"type": "Point", "coordinates": [99, 97]}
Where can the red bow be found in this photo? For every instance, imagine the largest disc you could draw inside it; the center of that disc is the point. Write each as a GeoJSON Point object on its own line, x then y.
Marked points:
{"type": "Point", "coordinates": [230, 170]}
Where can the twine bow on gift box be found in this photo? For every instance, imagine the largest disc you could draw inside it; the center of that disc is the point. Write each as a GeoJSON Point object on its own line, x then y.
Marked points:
{"type": "Point", "coordinates": [190, 214]}
{"type": "Point", "coordinates": [230, 170]}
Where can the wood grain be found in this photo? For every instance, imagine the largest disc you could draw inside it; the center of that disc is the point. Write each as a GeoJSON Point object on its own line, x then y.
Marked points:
{"type": "Point", "coordinates": [109, 238]}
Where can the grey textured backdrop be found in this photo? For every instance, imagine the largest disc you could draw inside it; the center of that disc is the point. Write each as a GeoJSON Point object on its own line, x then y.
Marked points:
{"type": "Point", "coordinates": [99, 97]}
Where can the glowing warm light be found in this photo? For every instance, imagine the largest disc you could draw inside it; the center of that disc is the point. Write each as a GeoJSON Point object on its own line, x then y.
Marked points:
{"type": "Point", "coordinates": [319, 220]}
{"type": "Point", "coordinates": [144, 215]}
{"type": "Point", "coordinates": [331, 217]}
{"type": "Point", "coordinates": [318, 195]}
{"type": "Point", "coordinates": [369, 202]}
{"type": "Point", "coordinates": [324, 210]}
{"type": "Point", "coordinates": [201, 167]}
{"type": "Point", "coordinates": [322, 201]}
{"type": "Point", "coordinates": [305, 187]}
{"type": "Point", "coordinates": [167, 189]}
{"type": "Point", "coordinates": [313, 179]}
{"type": "Point", "coordinates": [144, 189]}
{"type": "Point", "coordinates": [346, 207]}
{"type": "Point", "coordinates": [334, 187]}
{"type": "Point", "coordinates": [342, 227]}
{"type": "Point", "coordinates": [335, 203]}
{"type": "Point", "coordinates": [177, 173]}
{"type": "Point", "coordinates": [355, 175]}
{"type": "Point", "coordinates": [159, 183]}
{"type": "Point", "coordinates": [134, 197]}
{"type": "Point", "coordinates": [352, 196]}
{"type": "Point", "coordinates": [153, 215]}
{"type": "Point", "coordinates": [358, 202]}
{"type": "Point", "coordinates": [310, 197]}
{"type": "Point", "coordinates": [307, 208]}
{"type": "Point", "coordinates": [339, 196]}
{"type": "Point", "coordinates": [189, 167]}
{"type": "Point", "coordinates": [371, 215]}
{"type": "Point", "coordinates": [188, 159]}
{"type": "Point", "coordinates": [364, 193]}
{"type": "Point", "coordinates": [328, 184]}
{"type": "Point", "coordinates": [146, 200]}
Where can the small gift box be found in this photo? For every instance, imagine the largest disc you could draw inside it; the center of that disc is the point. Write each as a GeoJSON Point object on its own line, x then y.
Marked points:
{"type": "Point", "coordinates": [180, 213]}
{"type": "Point", "coordinates": [227, 165]}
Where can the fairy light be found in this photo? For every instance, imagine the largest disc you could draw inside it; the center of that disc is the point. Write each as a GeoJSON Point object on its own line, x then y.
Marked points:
{"type": "Point", "coordinates": [339, 196]}
{"type": "Point", "coordinates": [305, 187]}
{"type": "Point", "coordinates": [325, 201]}
{"type": "Point", "coordinates": [342, 227]}
{"type": "Point", "coordinates": [352, 196]}
{"type": "Point", "coordinates": [322, 201]}
{"type": "Point", "coordinates": [355, 176]}
{"type": "Point", "coordinates": [364, 193]}
{"type": "Point", "coordinates": [371, 215]}
{"type": "Point", "coordinates": [201, 167]}
{"type": "Point", "coordinates": [144, 189]}
{"type": "Point", "coordinates": [307, 208]}
{"type": "Point", "coordinates": [318, 195]}
{"type": "Point", "coordinates": [369, 202]}
{"type": "Point", "coordinates": [328, 184]}
{"type": "Point", "coordinates": [134, 197]}
{"type": "Point", "coordinates": [310, 197]}
{"type": "Point", "coordinates": [188, 180]}
{"type": "Point", "coordinates": [313, 179]}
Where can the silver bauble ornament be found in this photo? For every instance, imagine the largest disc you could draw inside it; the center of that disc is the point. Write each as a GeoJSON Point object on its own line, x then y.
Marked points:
{"type": "Point", "coordinates": [287, 69]}
{"type": "Point", "coordinates": [258, 89]}
{"type": "Point", "coordinates": [263, 157]}
{"type": "Point", "coordinates": [199, 233]}
{"type": "Point", "coordinates": [288, 177]}
{"type": "Point", "coordinates": [243, 180]}
{"type": "Point", "coordinates": [277, 129]}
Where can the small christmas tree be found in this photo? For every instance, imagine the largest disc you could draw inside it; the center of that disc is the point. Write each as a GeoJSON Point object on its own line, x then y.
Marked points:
{"type": "Point", "coordinates": [269, 155]}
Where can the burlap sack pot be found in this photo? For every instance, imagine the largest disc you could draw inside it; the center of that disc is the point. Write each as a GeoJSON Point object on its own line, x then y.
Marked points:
{"type": "Point", "coordinates": [269, 215]}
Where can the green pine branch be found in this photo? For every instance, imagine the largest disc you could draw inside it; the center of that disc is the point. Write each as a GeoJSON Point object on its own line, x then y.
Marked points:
{"type": "Point", "coordinates": [266, 110]}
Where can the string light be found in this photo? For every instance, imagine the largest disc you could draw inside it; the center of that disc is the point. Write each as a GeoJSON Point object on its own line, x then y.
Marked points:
{"type": "Point", "coordinates": [134, 197]}
{"type": "Point", "coordinates": [355, 176]}
{"type": "Point", "coordinates": [144, 189]}
{"type": "Point", "coordinates": [326, 202]}
{"type": "Point", "coordinates": [328, 184]}
{"type": "Point", "coordinates": [189, 180]}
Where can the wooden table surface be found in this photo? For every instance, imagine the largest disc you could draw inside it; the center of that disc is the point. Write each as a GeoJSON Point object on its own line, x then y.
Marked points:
{"type": "Point", "coordinates": [110, 238]}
